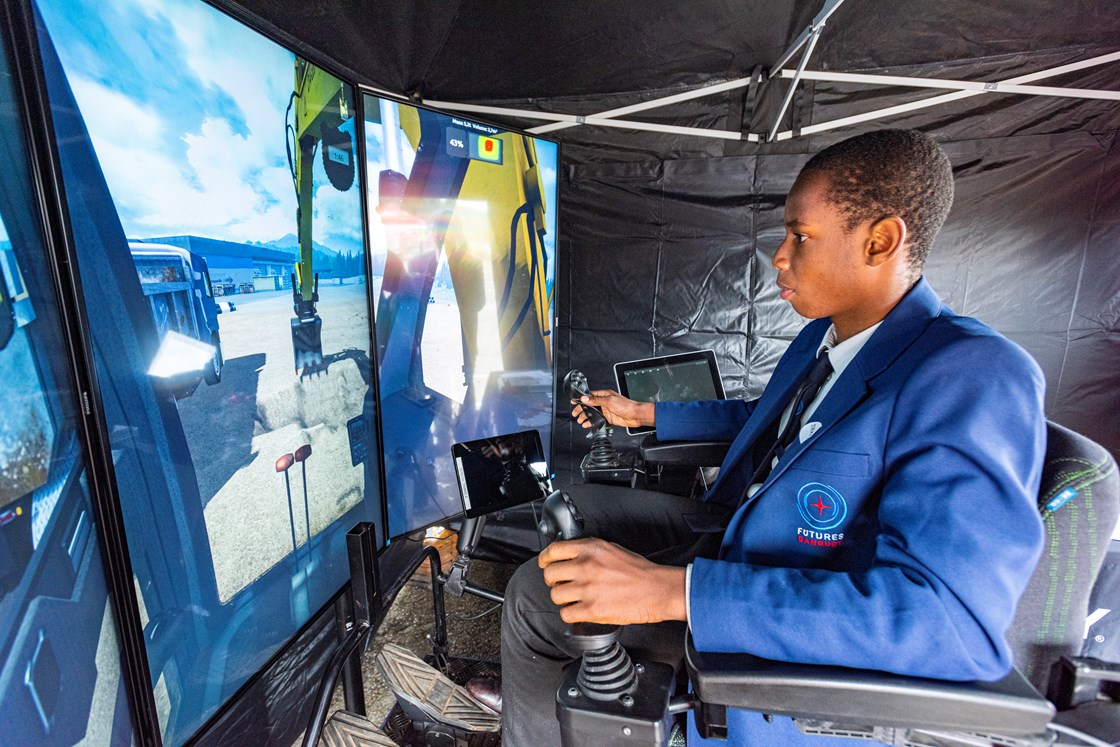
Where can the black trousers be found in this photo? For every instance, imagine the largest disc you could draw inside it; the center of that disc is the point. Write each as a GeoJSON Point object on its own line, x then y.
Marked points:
{"type": "Point", "coordinates": [535, 652]}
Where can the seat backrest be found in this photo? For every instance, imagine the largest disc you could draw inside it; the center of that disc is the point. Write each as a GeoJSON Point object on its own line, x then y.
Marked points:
{"type": "Point", "coordinates": [1079, 500]}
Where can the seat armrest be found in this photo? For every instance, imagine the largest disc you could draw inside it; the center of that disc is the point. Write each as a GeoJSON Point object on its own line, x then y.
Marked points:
{"type": "Point", "coordinates": [684, 453]}
{"type": "Point", "coordinates": [1081, 679]}
{"type": "Point", "coordinates": [1009, 707]}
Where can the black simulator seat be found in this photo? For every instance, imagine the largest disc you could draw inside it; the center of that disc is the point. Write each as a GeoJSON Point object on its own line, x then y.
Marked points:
{"type": "Point", "coordinates": [1079, 500]}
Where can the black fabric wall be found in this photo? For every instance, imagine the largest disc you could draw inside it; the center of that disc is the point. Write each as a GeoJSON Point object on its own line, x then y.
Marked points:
{"type": "Point", "coordinates": [670, 255]}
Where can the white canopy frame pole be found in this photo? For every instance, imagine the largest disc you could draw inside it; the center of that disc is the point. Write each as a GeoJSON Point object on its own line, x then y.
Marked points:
{"type": "Point", "coordinates": [814, 27]}
{"type": "Point", "coordinates": [796, 79]}
{"type": "Point", "coordinates": [610, 118]}
{"type": "Point", "coordinates": [955, 96]}
{"type": "Point", "coordinates": [959, 85]}
{"type": "Point", "coordinates": [591, 120]}
{"type": "Point", "coordinates": [675, 98]}
{"type": "Point", "coordinates": [808, 39]}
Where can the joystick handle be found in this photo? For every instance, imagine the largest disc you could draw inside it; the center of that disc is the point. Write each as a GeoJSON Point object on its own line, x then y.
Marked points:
{"type": "Point", "coordinates": [606, 672]}
{"type": "Point", "coordinates": [561, 520]}
{"type": "Point", "coordinates": [575, 384]}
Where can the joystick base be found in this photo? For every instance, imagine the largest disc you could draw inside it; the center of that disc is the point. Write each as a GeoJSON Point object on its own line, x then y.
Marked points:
{"type": "Point", "coordinates": [620, 472]}
{"type": "Point", "coordinates": [641, 718]}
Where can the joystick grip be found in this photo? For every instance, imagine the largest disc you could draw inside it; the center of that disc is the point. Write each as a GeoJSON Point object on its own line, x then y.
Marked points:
{"type": "Point", "coordinates": [561, 519]}
{"type": "Point", "coordinates": [605, 672]}
{"type": "Point", "coordinates": [575, 384]}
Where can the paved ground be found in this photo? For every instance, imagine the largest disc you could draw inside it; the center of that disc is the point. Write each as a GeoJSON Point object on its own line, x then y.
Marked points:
{"type": "Point", "coordinates": [261, 410]}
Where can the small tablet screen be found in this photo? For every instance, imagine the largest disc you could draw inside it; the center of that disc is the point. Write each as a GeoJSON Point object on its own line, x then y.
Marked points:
{"type": "Point", "coordinates": [500, 472]}
{"type": "Point", "coordinates": [685, 377]}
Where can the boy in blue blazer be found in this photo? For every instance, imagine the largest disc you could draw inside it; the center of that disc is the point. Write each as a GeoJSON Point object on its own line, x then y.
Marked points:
{"type": "Point", "coordinates": [882, 516]}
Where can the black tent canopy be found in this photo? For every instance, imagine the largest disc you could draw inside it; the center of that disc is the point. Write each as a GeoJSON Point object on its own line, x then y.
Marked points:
{"type": "Point", "coordinates": [471, 50]}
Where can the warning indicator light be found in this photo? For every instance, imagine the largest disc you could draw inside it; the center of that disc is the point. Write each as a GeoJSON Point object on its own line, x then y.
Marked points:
{"type": "Point", "coordinates": [487, 149]}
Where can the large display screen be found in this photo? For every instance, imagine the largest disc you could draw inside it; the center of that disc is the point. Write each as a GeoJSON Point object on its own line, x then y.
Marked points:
{"type": "Point", "coordinates": [463, 249]}
{"type": "Point", "coordinates": [216, 209]}
{"type": "Point", "coordinates": [60, 668]}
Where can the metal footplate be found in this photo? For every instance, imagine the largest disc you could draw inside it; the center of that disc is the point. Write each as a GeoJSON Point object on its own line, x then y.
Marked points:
{"type": "Point", "coordinates": [426, 695]}
{"type": "Point", "coordinates": [345, 729]}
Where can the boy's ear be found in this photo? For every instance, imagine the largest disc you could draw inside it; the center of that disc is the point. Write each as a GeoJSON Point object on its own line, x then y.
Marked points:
{"type": "Point", "coordinates": [885, 240]}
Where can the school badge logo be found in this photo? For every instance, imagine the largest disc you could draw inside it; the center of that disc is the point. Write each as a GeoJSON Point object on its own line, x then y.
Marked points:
{"type": "Point", "coordinates": [821, 506]}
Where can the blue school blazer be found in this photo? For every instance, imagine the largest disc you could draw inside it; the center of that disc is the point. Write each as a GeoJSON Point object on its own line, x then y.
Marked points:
{"type": "Point", "coordinates": [897, 536]}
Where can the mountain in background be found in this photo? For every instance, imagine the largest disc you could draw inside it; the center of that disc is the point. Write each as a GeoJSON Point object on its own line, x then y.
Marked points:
{"type": "Point", "coordinates": [290, 243]}
{"type": "Point", "coordinates": [325, 260]}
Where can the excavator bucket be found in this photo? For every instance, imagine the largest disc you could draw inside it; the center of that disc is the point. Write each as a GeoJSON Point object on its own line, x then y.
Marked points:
{"type": "Point", "coordinates": [307, 343]}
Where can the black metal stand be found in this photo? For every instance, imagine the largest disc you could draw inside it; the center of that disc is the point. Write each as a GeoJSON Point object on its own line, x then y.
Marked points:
{"type": "Point", "coordinates": [353, 691]}
{"type": "Point", "coordinates": [363, 589]}
{"type": "Point", "coordinates": [470, 533]}
{"type": "Point", "coordinates": [439, 639]}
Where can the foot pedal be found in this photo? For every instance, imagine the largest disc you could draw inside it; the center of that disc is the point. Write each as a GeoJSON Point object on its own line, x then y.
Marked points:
{"type": "Point", "coordinates": [346, 729]}
{"type": "Point", "coordinates": [426, 695]}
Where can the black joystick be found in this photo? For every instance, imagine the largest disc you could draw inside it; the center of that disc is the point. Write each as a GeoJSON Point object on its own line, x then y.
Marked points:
{"type": "Point", "coordinates": [561, 520]}
{"type": "Point", "coordinates": [604, 463]}
{"type": "Point", "coordinates": [605, 672]}
{"type": "Point", "coordinates": [609, 700]}
{"type": "Point", "coordinates": [575, 384]}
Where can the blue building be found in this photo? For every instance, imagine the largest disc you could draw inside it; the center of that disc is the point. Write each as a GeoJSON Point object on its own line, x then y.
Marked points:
{"type": "Point", "coordinates": [236, 267]}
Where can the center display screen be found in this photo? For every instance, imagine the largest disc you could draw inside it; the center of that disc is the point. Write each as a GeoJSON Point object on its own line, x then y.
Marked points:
{"type": "Point", "coordinates": [463, 254]}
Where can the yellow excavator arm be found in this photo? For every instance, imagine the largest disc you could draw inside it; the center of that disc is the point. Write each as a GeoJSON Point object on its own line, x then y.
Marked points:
{"type": "Point", "coordinates": [322, 108]}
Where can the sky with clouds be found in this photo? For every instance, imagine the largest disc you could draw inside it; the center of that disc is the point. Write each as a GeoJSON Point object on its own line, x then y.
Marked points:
{"type": "Point", "coordinates": [186, 110]}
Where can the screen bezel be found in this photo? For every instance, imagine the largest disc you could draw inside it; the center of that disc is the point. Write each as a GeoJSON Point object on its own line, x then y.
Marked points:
{"type": "Point", "coordinates": [457, 451]}
{"type": "Point", "coordinates": [708, 356]}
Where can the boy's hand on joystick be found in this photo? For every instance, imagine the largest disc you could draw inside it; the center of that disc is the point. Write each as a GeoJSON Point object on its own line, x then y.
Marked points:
{"type": "Point", "coordinates": [616, 409]}
{"type": "Point", "coordinates": [594, 408]}
{"type": "Point", "coordinates": [598, 581]}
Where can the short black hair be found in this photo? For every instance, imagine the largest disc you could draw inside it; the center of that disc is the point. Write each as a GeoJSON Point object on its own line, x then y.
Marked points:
{"type": "Point", "coordinates": [885, 173]}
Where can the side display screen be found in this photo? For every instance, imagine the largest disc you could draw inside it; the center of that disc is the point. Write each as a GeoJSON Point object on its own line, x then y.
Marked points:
{"type": "Point", "coordinates": [684, 377]}
{"type": "Point", "coordinates": [683, 382]}
{"type": "Point", "coordinates": [500, 472]}
{"type": "Point", "coordinates": [463, 241]}
{"type": "Point", "coordinates": [60, 666]}
{"type": "Point", "coordinates": [216, 210]}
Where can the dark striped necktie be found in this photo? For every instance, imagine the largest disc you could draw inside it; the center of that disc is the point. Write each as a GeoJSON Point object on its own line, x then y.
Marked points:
{"type": "Point", "coordinates": [806, 393]}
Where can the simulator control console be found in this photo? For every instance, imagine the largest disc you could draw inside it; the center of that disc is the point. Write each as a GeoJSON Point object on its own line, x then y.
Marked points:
{"type": "Point", "coordinates": [604, 463]}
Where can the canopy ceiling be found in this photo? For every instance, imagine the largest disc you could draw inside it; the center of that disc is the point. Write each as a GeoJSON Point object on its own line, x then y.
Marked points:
{"type": "Point", "coordinates": [583, 57]}
{"type": "Point", "coordinates": [470, 50]}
